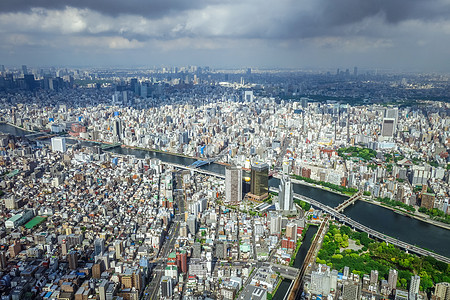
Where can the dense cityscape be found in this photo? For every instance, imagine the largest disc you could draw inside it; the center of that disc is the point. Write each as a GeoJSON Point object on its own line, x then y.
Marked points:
{"type": "Point", "coordinates": [203, 183]}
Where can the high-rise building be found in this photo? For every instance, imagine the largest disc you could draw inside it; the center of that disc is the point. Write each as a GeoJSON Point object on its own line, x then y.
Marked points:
{"type": "Point", "coordinates": [59, 144]}
{"type": "Point", "coordinates": [392, 279]}
{"type": "Point", "coordinates": [117, 129]}
{"type": "Point", "coordinates": [285, 196]}
{"type": "Point", "coordinates": [388, 128]}
{"type": "Point", "coordinates": [346, 271]}
{"type": "Point", "coordinates": [166, 287]}
{"type": "Point", "coordinates": [182, 261]}
{"type": "Point", "coordinates": [275, 223]}
{"type": "Point", "coordinates": [3, 261]}
{"type": "Point", "coordinates": [102, 289]}
{"type": "Point", "coordinates": [233, 185]}
{"type": "Point", "coordinates": [414, 287]}
{"type": "Point", "coordinates": [192, 224]}
{"type": "Point", "coordinates": [97, 270]}
{"type": "Point", "coordinates": [350, 290]}
{"type": "Point", "coordinates": [291, 231]}
{"type": "Point", "coordinates": [24, 70]}
{"type": "Point", "coordinates": [259, 185]}
{"type": "Point", "coordinates": [392, 113]}
{"type": "Point", "coordinates": [427, 200]}
{"type": "Point", "coordinates": [99, 246]}
{"type": "Point", "coordinates": [442, 291]}
{"type": "Point", "coordinates": [374, 277]}
{"type": "Point", "coordinates": [72, 257]}
{"type": "Point", "coordinates": [29, 81]}
{"type": "Point", "coordinates": [118, 247]}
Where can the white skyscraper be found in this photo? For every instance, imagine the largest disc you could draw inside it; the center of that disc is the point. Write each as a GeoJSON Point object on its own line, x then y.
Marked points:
{"type": "Point", "coordinates": [285, 196]}
{"type": "Point", "coordinates": [59, 144]}
{"type": "Point", "coordinates": [233, 185]}
{"type": "Point", "coordinates": [275, 223]}
{"type": "Point", "coordinates": [414, 287]}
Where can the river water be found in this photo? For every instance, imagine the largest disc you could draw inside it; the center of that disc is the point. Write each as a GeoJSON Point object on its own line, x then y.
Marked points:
{"type": "Point", "coordinates": [381, 219]}
{"type": "Point", "coordinates": [298, 262]}
{"type": "Point", "coordinates": [6, 128]}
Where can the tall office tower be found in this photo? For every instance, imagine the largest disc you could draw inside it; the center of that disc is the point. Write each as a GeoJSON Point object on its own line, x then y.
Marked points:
{"type": "Point", "coordinates": [192, 224]}
{"type": "Point", "coordinates": [59, 144]}
{"type": "Point", "coordinates": [133, 84]}
{"type": "Point", "coordinates": [355, 71]}
{"type": "Point", "coordinates": [99, 246]}
{"type": "Point", "coordinates": [285, 196]}
{"type": "Point", "coordinates": [24, 70]}
{"type": "Point", "coordinates": [259, 185]}
{"type": "Point", "coordinates": [2, 69]}
{"type": "Point", "coordinates": [374, 277]}
{"type": "Point", "coordinates": [392, 279]}
{"type": "Point", "coordinates": [233, 185]}
{"type": "Point", "coordinates": [118, 247]}
{"type": "Point", "coordinates": [117, 129]}
{"type": "Point", "coordinates": [73, 260]}
{"type": "Point", "coordinates": [414, 287]}
{"type": "Point", "coordinates": [166, 287]}
{"type": "Point", "coordinates": [124, 97]}
{"type": "Point", "coordinates": [29, 81]}
{"type": "Point", "coordinates": [143, 91]}
{"type": "Point", "coordinates": [442, 291]}
{"type": "Point", "coordinates": [388, 128]}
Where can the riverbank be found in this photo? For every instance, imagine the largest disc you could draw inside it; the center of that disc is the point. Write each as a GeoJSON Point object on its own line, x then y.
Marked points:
{"type": "Point", "coordinates": [407, 213]}
{"type": "Point", "coordinates": [140, 148]}
{"type": "Point", "coordinates": [394, 209]}
{"type": "Point", "coordinates": [317, 186]}
{"type": "Point", "coordinates": [18, 127]}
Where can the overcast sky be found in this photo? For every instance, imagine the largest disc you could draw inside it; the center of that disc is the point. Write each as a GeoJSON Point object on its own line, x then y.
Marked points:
{"type": "Point", "coordinates": [411, 35]}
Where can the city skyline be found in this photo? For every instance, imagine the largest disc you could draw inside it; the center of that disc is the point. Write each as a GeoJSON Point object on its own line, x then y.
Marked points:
{"type": "Point", "coordinates": [404, 36]}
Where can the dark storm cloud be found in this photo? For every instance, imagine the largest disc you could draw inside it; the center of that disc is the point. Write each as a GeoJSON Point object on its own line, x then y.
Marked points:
{"type": "Point", "coordinates": [150, 9]}
{"type": "Point", "coordinates": [333, 17]}
{"type": "Point", "coordinates": [340, 12]}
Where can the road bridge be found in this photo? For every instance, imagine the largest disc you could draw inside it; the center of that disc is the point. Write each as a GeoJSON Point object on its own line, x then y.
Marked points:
{"type": "Point", "coordinates": [285, 271]}
{"type": "Point", "coordinates": [201, 171]}
{"type": "Point", "coordinates": [349, 201]}
{"type": "Point", "coordinates": [110, 146]}
{"type": "Point", "coordinates": [200, 163]}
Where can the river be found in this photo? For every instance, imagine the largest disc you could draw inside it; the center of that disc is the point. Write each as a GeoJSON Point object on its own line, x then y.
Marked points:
{"type": "Point", "coordinates": [381, 219]}
{"type": "Point", "coordinates": [298, 262]}
{"type": "Point", "coordinates": [9, 129]}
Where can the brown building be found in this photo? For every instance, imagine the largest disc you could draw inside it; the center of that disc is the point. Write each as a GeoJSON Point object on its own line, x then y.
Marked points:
{"type": "Point", "coordinates": [97, 270]}
{"type": "Point", "coordinates": [182, 261]}
{"type": "Point", "coordinates": [72, 257]}
{"type": "Point", "coordinates": [427, 200]}
{"type": "Point", "coordinates": [15, 249]}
